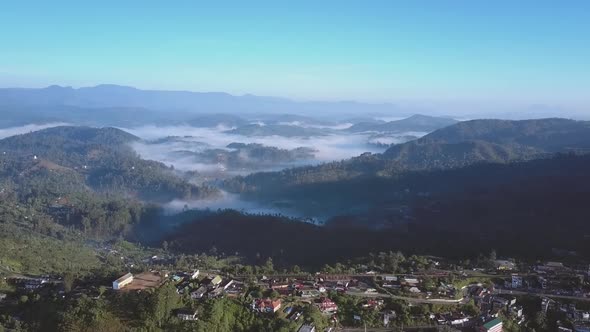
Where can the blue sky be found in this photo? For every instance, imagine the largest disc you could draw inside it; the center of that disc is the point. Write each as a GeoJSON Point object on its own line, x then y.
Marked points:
{"type": "Point", "coordinates": [508, 51]}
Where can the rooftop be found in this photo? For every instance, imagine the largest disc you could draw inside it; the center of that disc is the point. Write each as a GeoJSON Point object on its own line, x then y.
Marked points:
{"type": "Point", "coordinates": [126, 276]}
{"type": "Point", "coordinates": [492, 323]}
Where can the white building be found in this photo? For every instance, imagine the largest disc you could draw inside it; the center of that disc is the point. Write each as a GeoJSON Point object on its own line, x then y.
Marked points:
{"type": "Point", "coordinates": [390, 278]}
{"type": "Point", "coordinates": [516, 281]}
{"type": "Point", "coordinates": [121, 282]}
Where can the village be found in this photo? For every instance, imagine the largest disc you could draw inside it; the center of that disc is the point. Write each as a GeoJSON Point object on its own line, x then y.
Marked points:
{"type": "Point", "coordinates": [478, 299]}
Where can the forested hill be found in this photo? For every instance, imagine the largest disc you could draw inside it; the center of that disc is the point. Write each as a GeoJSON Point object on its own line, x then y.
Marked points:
{"type": "Point", "coordinates": [68, 146]}
{"type": "Point", "coordinates": [491, 141]}
{"type": "Point", "coordinates": [551, 135]}
{"type": "Point", "coordinates": [459, 145]}
{"type": "Point", "coordinates": [100, 157]}
{"type": "Point", "coordinates": [521, 209]}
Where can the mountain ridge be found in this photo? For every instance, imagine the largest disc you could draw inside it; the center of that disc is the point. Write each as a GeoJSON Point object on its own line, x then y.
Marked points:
{"type": "Point", "coordinates": [416, 122]}
{"type": "Point", "coordinates": [111, 95]}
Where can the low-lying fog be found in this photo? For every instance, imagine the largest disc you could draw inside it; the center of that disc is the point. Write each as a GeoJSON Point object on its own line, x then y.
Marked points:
{"type": "Point", "coordinates": [180, 146]}
{"type": "Point", "coordinates": [186, 148]}
{"type": "Point", "coordinates": [233, 201]}
{"type": "Point", "coordinates": [220, 151]}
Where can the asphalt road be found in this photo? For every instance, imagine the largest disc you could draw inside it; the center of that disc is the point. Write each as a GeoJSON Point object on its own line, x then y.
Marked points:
{"type": "Point", "coordinates": [515, 292]}
{"type": "Point", "coordinates": [409, 299]}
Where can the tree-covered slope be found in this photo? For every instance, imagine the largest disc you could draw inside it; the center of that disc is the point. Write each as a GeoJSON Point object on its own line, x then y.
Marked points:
{"type": "Point", "coordinates": [100, 158]}
{"type": "Point", "coordinates": [459, 145]}
{"type": "Point", "coordinates": [379, 181]}
{"type": "Point", "coordinates": [551, 135]}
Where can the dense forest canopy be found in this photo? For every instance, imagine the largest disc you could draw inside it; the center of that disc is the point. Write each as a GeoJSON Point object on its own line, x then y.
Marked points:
{"type": "Point", "coordinates": [455, 146]}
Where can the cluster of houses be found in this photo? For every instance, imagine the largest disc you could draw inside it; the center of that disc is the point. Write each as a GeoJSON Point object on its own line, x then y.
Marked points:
{"type": "Point", "coordinates": [395, 282]}
{"type": "Point", "coordinates": [312, 288]}
{"type": "Point", "coordinates": [491, 303]}
{"type": "Point", "coordinates": [551, 278]}
{"type": "Point", "coordinates": [580, 318]}
{"type": "Point", "coordinates": [30, 284]}
{"type": "Point", "coordinates": [210, 286]}
{"type": "Point", "coordinates": [414, 285]}
{"type": "Point", "coordinates": [460, 320]}
{"type": "Point", "coordinates": [490, 306]}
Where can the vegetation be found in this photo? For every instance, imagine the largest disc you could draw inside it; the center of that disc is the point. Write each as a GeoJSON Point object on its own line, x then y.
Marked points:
{"type": "Point", "coordinates": [65, 192]}
{"type": "Point", "coordinates": [463, 144]}
{"type": "Point", "coordinates": [79, 158]}
{"type": "Point", "coordinates": [415, 123]}
{"type": "Point", "coordinates": [250, 156]}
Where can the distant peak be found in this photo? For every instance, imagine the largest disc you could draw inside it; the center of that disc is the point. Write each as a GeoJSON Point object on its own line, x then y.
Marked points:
{"type": "Point", "coordinates": [419, 116]}
{"type": "Point", "coordinates": [57, 87]}
{"type": "Point", "coordinates": [113, 87]}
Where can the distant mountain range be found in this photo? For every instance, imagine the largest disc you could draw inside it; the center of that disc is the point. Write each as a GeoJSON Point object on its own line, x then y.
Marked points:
{"type": "Point", "coordinates": [109, 96]}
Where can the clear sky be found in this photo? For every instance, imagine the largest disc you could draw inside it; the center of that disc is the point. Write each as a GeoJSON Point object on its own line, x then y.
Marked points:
{"type": "Point", "coordinates": [516, 50]}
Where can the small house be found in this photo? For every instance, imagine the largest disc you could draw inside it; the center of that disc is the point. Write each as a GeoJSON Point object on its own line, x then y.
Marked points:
{"type": "Point", "coordinates": [266, 305]}
{"type": "Point", "coordinates": [307, 328]}
{"type": "Point", "coordinates": [411, 281]}
{"type": "Point", "coordinates": [327, 306]}
{"type": "Point", "coordinates": [495, 325]}
{"type": "Point", "coordinates": [213, 282]}
{"type": "Point", "coordinates": [414, 290]}
{"type": "Point", "coordinates": [199, 293]}
{"type": "Point", "coordinates": [504, 265]}
{"type": "Point", "coordinates": [186, 314]}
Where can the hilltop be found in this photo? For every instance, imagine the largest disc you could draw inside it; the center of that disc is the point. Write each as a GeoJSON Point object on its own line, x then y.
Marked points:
{"type": "Point", "coordinates": [100, 157]}
{"type": "Point", "coordinates": [415, 123]}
